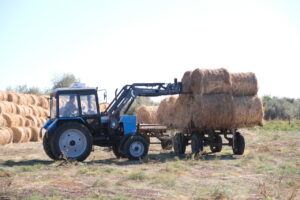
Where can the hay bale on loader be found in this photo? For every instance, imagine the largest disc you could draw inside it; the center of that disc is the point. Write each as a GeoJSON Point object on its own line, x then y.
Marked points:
{"type": "Point", "coordinates": [248, 111]}
{"type": "Point", "coordinates": [6, 136]}
{"type": "Point", "coordinates": [147, 114]}
{"type": "Point", "coordinates": [183, 110]}
{"type": "Point", "coordinates": [166, 111]}
{"type": "Point", "coordinates": [208, 81]}
{"type": "Point", "coordinates": [244, 84]}
{"type": "Point", "coordinates": [187, 81]}
{"type": "Point", "coordinates": [213, 112]}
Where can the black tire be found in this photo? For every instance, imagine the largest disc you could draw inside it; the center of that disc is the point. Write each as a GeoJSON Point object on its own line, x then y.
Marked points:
{"type": "Point", "coordinates": [76, 137]}
{"type": "Point", "coordinates": [217, 146]}
{"type": "Point", "coordinates": [47, 147]}
{"type": "Point", "coordinates": [117, 152]}
{"type": "Point", "coordinates": [179, 143]}
{"type": "Point", "coordinates": [166, 144]}
{"type": "Point", "coordinates": [238, 145]}
{"type": "Point", "coordinates": [197, 143]}
{"type": "Point", "coordinates": [136, 147]}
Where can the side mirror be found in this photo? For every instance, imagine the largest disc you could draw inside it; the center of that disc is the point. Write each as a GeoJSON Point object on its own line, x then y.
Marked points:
{"type": "Point", "coordinates": [105, 96]}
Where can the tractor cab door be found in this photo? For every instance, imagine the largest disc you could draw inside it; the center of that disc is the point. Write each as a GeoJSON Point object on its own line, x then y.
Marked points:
{"type": "Point", "coordinates": [90, 112]}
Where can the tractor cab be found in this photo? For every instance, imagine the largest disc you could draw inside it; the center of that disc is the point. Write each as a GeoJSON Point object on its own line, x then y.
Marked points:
{"type": "Point", "coordinates": [70, 103]}
{"type": "Point", "coordinates": [74, 105]}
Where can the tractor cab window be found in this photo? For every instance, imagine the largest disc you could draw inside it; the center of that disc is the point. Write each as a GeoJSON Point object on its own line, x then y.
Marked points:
{"type": "Point", "coordinates": [88, 104]}
{"type": "Point", "coordinates": [68, 106]}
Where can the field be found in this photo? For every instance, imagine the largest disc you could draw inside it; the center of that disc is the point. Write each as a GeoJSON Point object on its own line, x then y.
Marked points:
{"type": "Point", "coordinates": [269, 169]}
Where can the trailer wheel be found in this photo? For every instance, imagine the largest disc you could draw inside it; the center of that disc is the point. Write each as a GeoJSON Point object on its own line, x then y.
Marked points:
{"type": "Point", "coordinates": [117, 152]}
{"type": "Point", "coordinates": [136, 147]}
{"type": "Point", "coordinates": [72, 140]}
{"type": "Point", "coordinates": [179, 143]}
{"type": "Point", "coordinates": [197, 143]}
{"type": "Point", "coordinates": [238, 145]}
{"type": "Point", "coordinates": [166, 144]}
{"type": "Point", "coordinates": [47, 147]}
{"type": "Point", "coordinates": [217, 146]}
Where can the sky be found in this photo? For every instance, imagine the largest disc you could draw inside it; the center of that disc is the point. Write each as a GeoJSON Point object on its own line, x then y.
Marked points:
{"type": "Point", "coordinates": [110, 43]}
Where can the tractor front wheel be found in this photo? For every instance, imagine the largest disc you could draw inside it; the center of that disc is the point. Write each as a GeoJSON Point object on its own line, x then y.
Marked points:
{"type": "Point", "coordinates": [136, 147]}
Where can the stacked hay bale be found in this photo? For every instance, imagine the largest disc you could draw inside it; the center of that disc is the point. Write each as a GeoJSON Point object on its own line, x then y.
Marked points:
{"type": "Point", "coordinates": [146, 115]}
{"type": "Point", "coordinates": [21, 117]}
{"type": "Point", "coordinates": [214, 100]}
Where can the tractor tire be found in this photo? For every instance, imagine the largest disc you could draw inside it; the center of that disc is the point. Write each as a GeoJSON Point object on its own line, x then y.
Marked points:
{"type": "Point", "coordinates": [197, 143]}
{"type": "Point", "coordinates": [179, 143]}
{"type": "Point", "coordinates": [136, 147]}
{"type": "Point", "coordinates": [217, 146]}
{"type": "Point", "coordinates": [71, 140]}
{"type": "Point", "coordinates": [117, 152]}
{"type": "Point", "coordinates": [238, 145]}
{"type": "Point", "coordinates": [47, 147]}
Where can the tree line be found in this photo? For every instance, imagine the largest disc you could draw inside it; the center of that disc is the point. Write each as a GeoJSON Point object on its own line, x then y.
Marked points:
{"type": "Point", "coordinates": [281, 108]}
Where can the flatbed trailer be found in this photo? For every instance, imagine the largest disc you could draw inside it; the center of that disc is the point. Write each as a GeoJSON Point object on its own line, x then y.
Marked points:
{"type": "Point", "coordinates": [157, 131]}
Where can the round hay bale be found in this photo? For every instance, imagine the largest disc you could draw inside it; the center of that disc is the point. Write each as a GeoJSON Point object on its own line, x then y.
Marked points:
{"type": "Point", "coordinates": [187, 82]}
{"type": "Point", "coordinates": [146, 114]}
{"type": "Point", "coordinates": [211, 81]}
{"type": "Point", "coordinates": [19, 134]}
{"type": "Point", "coordinates": [6, 136]}
{"type": "Point", "coordinates": [3, 107]}
{"type": "Point", "coordinates": [3, 96]}
{"type": "Point", "coordinates": [43, 102]}
{"type": "Point", "coordinates": [183, 110]}
{"type": "Point", "coordinates": [166, 111]}
{"type": "Point", "coordinates": [35, 111]}
{"type": "Point", "coordinates": [22, 99]}
{"type": "Point", "coordinates": [34, 134]}
{"type": "Point", "coordinates": [248, 111]}
{"type": "Point", "coordinates": [28, 134]}
{"type": "Point", "coordinates": [10, 120]}
{"type": "Point", "coordinates": [213, 112]}
{"type": "Point", "coordinates": [20, 120]}
{"type": "Point", "coordinates": [28, 122]}
{"type": "Point", "coordinates": [46, 113]}
{"type": "Point", "coordinates": [34, 100]}
{"type": "Point", "coordinates": [32, 119]}
{"type": "Point", "coordinates": [244, 84]}
{"type": "Point", "coordinates": [103, 106]}
{"type": "Point", "coordinates": [12, 97]}
{"type": "Point", "coordinates": [2, 121]}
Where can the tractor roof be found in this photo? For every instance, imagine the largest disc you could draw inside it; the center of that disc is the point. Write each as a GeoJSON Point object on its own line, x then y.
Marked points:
{"type": "Point", "coordinates": [59, 91]}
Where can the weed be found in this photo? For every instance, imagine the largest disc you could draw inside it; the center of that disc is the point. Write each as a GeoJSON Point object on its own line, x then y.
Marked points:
{"type": "Point", "coordinates": [138, 175]}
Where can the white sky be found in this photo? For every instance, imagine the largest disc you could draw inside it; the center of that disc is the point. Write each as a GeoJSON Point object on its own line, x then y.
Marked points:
{"type": "Point", "coordinates": [113, 43]}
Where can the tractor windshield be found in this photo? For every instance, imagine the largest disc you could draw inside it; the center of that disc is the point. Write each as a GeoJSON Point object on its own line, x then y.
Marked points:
{"type": "Point", "coordinates": [68, 106]}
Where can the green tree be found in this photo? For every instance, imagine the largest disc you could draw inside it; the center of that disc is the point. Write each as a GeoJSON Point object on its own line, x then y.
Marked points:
{"type": "Point", "coordinates": [64, 80]}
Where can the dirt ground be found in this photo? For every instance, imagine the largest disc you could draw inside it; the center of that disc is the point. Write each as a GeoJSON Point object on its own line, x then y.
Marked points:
{"type": "Point", "coordinates": [269, 169]}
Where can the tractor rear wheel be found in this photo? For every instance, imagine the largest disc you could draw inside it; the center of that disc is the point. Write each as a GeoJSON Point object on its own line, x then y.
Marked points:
{"type": "Point", "coordinates": [47, 147]}
{"type": "Point", "coordinates": [136, 147]}
{"type": "Point", "coordinates": [238, 145]}
{"type": "Point", "coordinates": [179, 143]}
{"type": "Point", "coordinates": [72, 140]}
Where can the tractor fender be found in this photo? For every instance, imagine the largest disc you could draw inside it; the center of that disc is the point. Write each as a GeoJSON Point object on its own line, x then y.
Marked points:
{"type": "Point", "coordinates": [51, 127]}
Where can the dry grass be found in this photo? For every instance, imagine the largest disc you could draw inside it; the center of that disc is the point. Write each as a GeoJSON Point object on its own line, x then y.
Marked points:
{"type": "Point", "coordinates": [269, 169]}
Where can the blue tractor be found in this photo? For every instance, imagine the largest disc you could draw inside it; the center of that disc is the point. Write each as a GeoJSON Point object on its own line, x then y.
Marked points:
{"type": "Point", "coordinates": [76, 122]}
